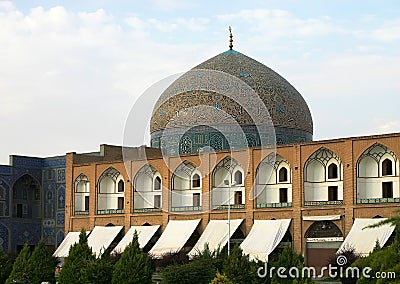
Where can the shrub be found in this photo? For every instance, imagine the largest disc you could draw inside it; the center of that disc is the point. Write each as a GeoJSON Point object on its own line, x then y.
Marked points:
{"type": "Point", "coordinates": [196, 271]}
{"type": "Point", "coordinates": [5, 266]}
{"type": "Point", "coordinates": [80, 254]}
{"type": "Point", "coordinates": [20, 271]}
{"type": "Point", "coordinates": [133, 266]}
{"type": "Point", "coordinates": [41, 265]}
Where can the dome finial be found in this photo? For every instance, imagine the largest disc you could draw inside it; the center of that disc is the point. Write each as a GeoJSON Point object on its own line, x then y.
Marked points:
{"type": "Point", "coordinates": [230, 38]}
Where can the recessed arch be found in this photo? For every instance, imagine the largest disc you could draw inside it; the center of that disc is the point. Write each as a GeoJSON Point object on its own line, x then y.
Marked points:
{"type": "Point", "coordinates": [316, 168]}
{"type": "Point", "coordinates": [323, 229]}
{"type": "Point", "coordinates": [81, 195]}
{"type": "Point", "coordinates": [186, 192]}
{"type": "Point", "coordinates": [26, 197]}
{"type": "Point", "coordinates": [323, 179]}
{"type": "Point", "coordinates": [109, 199]}
{"type": "Point", "coordinates": [378, 175]}
{"type": "Point", "coordinates": [182, 178]}
{"type": "Point", "coordinates": [227, 189]}
{"type": "Point", "coordinates": [147, 186]}
{"type": "Point", "coordinates": [223, 173]}
{"type": "Point", "coordinates": [273, 182]}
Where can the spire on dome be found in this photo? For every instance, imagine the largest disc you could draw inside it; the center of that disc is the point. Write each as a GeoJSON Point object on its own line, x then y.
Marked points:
{"type": "Point", "coordinates": [230, 38]}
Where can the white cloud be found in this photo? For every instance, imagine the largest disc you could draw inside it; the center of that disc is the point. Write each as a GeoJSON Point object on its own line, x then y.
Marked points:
{"type": "Point", "coordinates": [67, 80]}
{"type": "Point", "coordinates": [6, 6]}
{"type": "Point", "coordinates": [280, 23]}
{"type": "Point", "coordinates": [389, 32]}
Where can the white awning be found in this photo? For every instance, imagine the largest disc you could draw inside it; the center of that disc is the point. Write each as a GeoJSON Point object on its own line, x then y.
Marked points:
{"type": "Point", "coordinates": [174, 237]}
{"type": "Point", "coordinates": [264, 237]}
{"type": "Point", "coordinates": [70, 239]}
{"type": "Point", "coordinates": [102, 237]}
{"type": "Point", "coordinates": [364, 240]}
{"type": "Point", "coordinates": [216, 235]}
{"type": "Point", "coordinates": [322, 218]}
{"type": "Point", "coordinates": [145, 233]}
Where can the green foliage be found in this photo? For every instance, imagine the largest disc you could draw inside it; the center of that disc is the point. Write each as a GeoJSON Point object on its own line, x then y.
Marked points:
{"type": "Point", "coordinates": [74, 269]}
{"type": "Point", "coordinates": [133, 266]}
{"type": "Point", "coordinates": [221, 279]}
{"type": "Point", "coordinates": [377, 246]}
{"type": "Point", "coordinates": [98, 271]}
{"type": "Point", "coordinates": [5, 266]}
{"type": "Point", "coordinates": [385, 260]}
{"type": "Point", "coordinates": [170, 258]}
{"type": "Point", "coordinates": [216, 258]}
{"type": "Point", "coordinates": [41, 265]}
{"type": "Point", "coordinates": [20, 271]}
{"type": "Point", "coordinates": [238, 268]}
{"type": "Point", "coordinates": [197, 271]}
{"type": "Point", "coordinates": [288, 259]}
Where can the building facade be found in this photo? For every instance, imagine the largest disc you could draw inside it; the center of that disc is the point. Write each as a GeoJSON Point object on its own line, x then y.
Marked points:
{"type": "Point", "coordinates": [32, 202]}
{"type": "Point", "coordinates": [321, 186]}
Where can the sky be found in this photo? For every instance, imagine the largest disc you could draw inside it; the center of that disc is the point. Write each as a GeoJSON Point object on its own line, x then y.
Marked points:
{"type": "Point", "coordinates": [70, 71]}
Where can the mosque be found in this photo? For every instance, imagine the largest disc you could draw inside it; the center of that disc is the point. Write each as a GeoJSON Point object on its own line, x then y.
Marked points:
{"type": "Point", "coordinates": [232, 160]}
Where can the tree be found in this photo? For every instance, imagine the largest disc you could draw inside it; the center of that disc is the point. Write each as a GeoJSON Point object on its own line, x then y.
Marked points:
{"type": "Point", "coordinates": [74, 269]}
{"type": "Point", "coordinates": [198, 271]}
{"type": "Point", "coordinates": [98, 271]}
{"type": "Point", "coordinates": [288, 259]}
{"type": "Point", "coordinates": [20, 271]}
{"type": "Point", "coordinates": [384, 260]}
{"type": "Point", "coordinates": [5, 266]}
{"type": "Point", "coordinates": [133, 266]}
{"type": "Point", "coordinates": [238, 268]}
{"type": "Point", "coordinates": [41, 265]}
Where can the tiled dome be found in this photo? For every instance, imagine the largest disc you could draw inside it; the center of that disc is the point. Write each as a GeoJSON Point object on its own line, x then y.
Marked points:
{"type": "Point", "coordinates": [289, 112]}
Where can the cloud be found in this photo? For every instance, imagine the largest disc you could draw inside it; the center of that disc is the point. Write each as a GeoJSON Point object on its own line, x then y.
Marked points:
{"type": "Point", "coordinates": [68, 79]}
{"type": "Point", "coordinates": [6, 6]}
{"type": "Point", "coordinates": [280, 23]}
{"type": "Point", "coordinates": [388, 32]}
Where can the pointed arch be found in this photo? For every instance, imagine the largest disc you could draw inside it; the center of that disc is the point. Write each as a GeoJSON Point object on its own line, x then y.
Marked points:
{"type": "Point", "coordinates": [226, 189]}
{"type": "Point", "coordinates": [223, 173]}
{"type": "Point", "coordinates": [323, 179]}
{"type": "Point", "coordinates": [323, 229]}
{"type": "Point", "coordinates": [378, 175]}
{"type": "Point", "coordinates": [109, 199]}
{"type": "Point", "coordinates": [148, 186]}
{"type": "Point", "coordinates": [186, 188]}
{"type": "Point", "coordinates": [273, 182]}
{"type": "Point", "coordinates": [316, 168]}
{"type": "Point", "coordinates": [81, 195]}
{"type": "Point", "coordinates": [26, 197]}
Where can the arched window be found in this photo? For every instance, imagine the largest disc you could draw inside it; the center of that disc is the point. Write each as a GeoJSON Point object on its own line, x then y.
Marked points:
{"type": "Point", "coordinates": [196, 181]}
{"type": "Point", "coordinates": [121, 186]}
{"type": "Point", "coordinates": [332, 171]}
{"type": "Point", "coordinates": [238, 178]}
{"type": "Point", "coordinates": [283, 175]}
{"type": "Point", "coordinates": [323, 229]}
{"type": "Point", "coordinates": [387, 168]}
{"type": "Point", "coordinates": [157, 183]}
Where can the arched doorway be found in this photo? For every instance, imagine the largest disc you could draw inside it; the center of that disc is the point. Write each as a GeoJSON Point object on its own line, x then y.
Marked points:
{"type": "Point", "coordinates": [323, 239]}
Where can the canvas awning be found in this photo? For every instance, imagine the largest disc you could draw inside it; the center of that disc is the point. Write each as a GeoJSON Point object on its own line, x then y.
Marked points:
{"type": "Point", "coordinates": [102, 237]}
{"type": "Point", "coordinates": [264, 237]}
{"type": "Point", "coordinates": [174, 237]}
{"type": "Point", "coordinates": [63, 249]}
{"type": "Point", "coordinates": [145, 233]}
{"type": "Point", "coordinates": [70, 239]}
{"type": "Point", "coordinates": [364, 240]}
{"type": "Point", "coordinates": [216, 235]}
{"type": "Point", "coordinates": [322, 218]}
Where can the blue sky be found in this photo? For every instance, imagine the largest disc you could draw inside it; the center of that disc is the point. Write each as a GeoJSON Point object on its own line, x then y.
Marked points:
{"type": "Point", "coordinates": [71, 70]}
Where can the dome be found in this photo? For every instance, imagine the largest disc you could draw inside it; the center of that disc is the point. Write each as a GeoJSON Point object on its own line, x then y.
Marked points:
{"type": "Point", "coordinates": [288, 110]}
